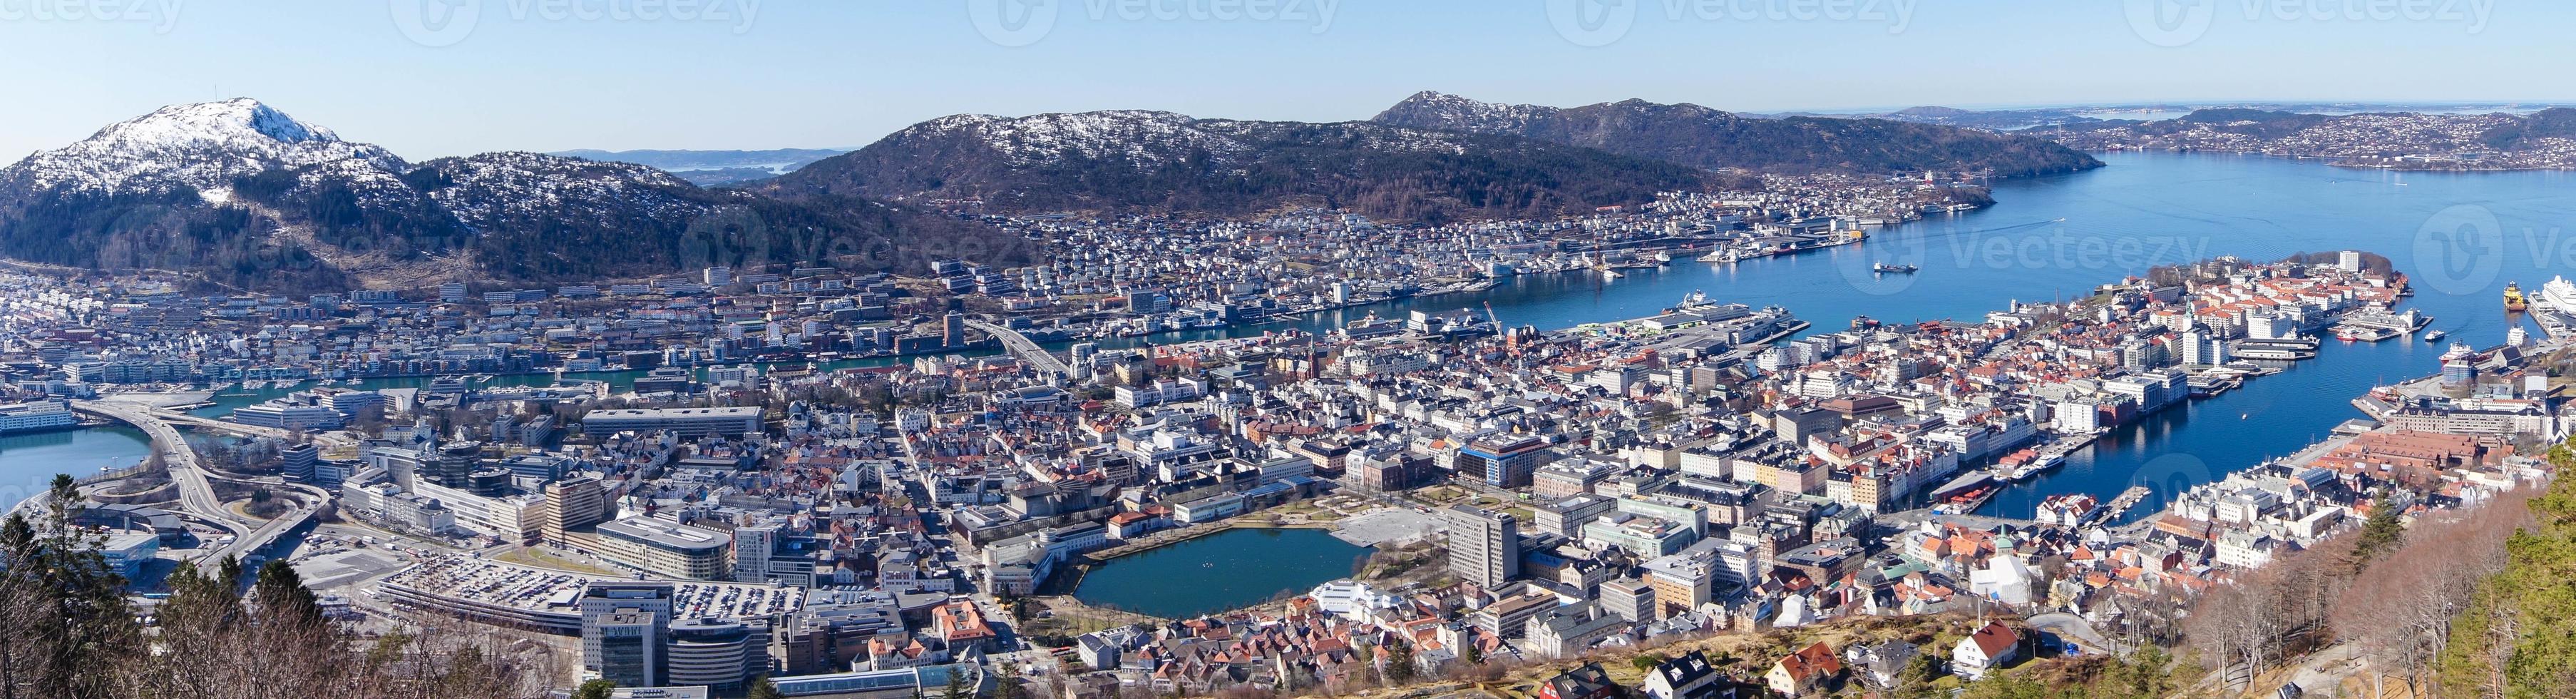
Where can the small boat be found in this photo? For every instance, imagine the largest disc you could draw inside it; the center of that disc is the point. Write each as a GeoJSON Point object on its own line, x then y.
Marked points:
{"type": "Point", "coordinates": [2435, 336]}
{"type": "Point", "coordinates": [1611, 274]}
{"type": "Point", "coordinates": [1885, 268]}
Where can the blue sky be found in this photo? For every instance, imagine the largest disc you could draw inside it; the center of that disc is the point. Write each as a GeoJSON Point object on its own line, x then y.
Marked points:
{"type": "Point", "coordinates": [726, 74]}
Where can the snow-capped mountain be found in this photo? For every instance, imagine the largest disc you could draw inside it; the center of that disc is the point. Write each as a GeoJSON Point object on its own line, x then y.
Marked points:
{"type": "Point", "coordinates": [493, 188]}
{"type": "Point", "coordinates": [1702, 137]}
{"type": "Point", "coordinates": [1142, 138]}
{"type": "Point", "coordinates": [203, 146]}
{"type": "Point", "coordinates": [243, 195]}
{"type": "Point", "coordinates": [1160, 161]}
{"type": "Point", "coordinates": [1442, 110]}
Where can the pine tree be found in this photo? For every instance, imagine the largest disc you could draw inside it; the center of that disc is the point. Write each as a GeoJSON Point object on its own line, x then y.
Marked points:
{"type": "Point", "coordinates": [65, 627]}
{"type": "Point", "coordinates": [762, 688]}
{"type": "Point", "coordinates": [281, 598]}
{"type": "Point", "coordinates": [2380, 532]}
{"type": "Point", "coordinates": [594, 689]}
{"type": "Point", "coordinates": [1915, 680]}
{"type": "Point", "coordinates": [1399, 663]}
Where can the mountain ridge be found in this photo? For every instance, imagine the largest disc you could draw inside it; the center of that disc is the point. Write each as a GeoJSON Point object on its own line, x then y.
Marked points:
{"type": "Point", "coordinates": [243, 196]}
{"type": "Point", "coordinates": [1704, 137]}
{"type": "Point", "coordinates": [1140, 160]}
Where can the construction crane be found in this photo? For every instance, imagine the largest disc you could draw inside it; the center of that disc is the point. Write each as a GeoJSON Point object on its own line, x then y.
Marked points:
{"type": "Point", "coordinates": [1498, 320]}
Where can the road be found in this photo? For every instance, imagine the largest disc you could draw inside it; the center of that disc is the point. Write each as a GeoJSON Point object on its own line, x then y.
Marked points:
{"type": "Point", "coordinates": [196, 483]}
{"type": "Point", "coordinates": [2074, 627]}
{"type": "Point", "coordinates": [1025, 349]}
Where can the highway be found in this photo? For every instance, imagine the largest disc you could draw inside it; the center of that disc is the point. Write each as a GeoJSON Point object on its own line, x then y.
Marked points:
{"type": "Point", "coordinates": [1020, 346]}
{"type": "Point", "coordinates": [196, 483]}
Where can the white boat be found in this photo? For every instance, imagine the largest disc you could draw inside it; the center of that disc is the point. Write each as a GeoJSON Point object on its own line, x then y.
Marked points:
{"type": "Point", "coordinates": [1611, 274]}
{"type": "Point", "coordinates": [1719, 255]}
{"type": "Point", "coordinates": [2558, 295]}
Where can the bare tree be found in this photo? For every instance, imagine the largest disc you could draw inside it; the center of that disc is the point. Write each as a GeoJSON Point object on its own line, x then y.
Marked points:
{"type": "Point", "coordinates": [2400, 610]}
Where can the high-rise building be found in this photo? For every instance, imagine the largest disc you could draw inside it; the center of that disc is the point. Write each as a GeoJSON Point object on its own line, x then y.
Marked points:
{"type": "Point", "coordinates": [716, 653]}
{"type": "Point", "coordinates": [301, 460]}
{"type": "Point", "coordinates": [1629, 598]}
{"type": "Point", "coordinates": [456, 464]}
{"type": "Point", "coordinates": [624, 647]}
{"type": "Point", "coordinates": [952, 329]}
{"type": "Point", "coordinates": [1484, 547]}
{"type": "Point", "coordinates": [1504, 462]}
{"type": "Point", "coordinates": [573, 503]}
{"type": "Point", "coordinates": [752, 546]}
{"type": "Point", "coordinates": [622, 630]}
{"type": "Point", "coordinates": [2199, 348]}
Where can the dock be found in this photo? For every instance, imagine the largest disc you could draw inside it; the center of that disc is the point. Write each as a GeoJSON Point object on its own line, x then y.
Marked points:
{"type": "Point", "coordinates": [2120, 505]}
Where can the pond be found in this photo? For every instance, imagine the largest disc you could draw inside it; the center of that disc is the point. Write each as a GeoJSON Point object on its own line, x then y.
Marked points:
{"type": "Point", "coordinates": [1228, 570]}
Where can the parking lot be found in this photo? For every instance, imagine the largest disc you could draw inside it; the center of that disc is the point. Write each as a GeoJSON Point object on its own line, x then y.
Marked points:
{"type": "Point", "coordinates": [1386, 524]}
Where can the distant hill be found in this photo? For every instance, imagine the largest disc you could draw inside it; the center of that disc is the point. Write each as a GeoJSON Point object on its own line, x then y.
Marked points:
{"type": "Point", "coordinates": [708, 168]}
{"type": "Point", "coordinates": [240, 195]}
{"type": "Point", "coordinates": [2543, 140]}
{"type": "Point", "coordinates": [2555, 122]}
{"type": "Point", "coordinates": [1138, 161]}
{"type": "Point", "coordinates": [1701, 137]}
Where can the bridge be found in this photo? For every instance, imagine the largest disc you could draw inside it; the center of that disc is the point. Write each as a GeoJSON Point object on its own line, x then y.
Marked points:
{"type": "Point", "coordinates": [196, 482]}
{"type": "Point", "coordinates": [1024, 348]}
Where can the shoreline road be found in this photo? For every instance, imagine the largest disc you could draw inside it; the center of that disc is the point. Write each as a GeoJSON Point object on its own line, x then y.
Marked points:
{"type": "Point", "coordinates": [196, 483]}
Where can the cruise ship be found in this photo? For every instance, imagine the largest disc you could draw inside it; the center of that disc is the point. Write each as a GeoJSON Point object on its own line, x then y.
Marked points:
{"type": "Point", "coordinates": [2558, 295]}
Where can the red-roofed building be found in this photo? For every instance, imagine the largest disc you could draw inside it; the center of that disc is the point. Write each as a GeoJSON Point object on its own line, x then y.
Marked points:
{"type": "Point", "coordinates": [1804, 671]}
{"type": "Point", "coordinates": [1987, 649]}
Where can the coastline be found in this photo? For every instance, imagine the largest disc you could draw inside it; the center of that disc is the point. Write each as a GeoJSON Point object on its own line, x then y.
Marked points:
{"type": "Point", "coordinates": [2346, 162]}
